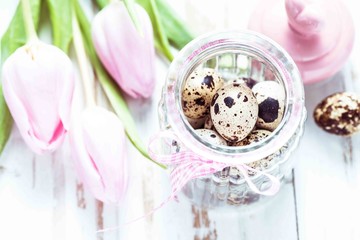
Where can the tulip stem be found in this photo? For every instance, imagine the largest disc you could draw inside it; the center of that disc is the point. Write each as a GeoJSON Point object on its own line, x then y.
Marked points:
{"type": "Point", "coordinates": [83, 63]}
{"type": "Point", "coordinates": [130, 6]}
{"type": "Point", "coordinates": [28, 21]}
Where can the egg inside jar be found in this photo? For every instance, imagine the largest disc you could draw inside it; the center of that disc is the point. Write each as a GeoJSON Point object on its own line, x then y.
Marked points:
{"type": "Point", "coordinates": [235, 100]}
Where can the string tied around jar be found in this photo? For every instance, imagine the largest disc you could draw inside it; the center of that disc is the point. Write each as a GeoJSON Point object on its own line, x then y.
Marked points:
{"type": "Point", "coordinates": [187, 165]}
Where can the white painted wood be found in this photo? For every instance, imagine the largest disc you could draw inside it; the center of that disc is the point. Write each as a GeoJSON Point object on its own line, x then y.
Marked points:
{"type": "Point", "coordinates": [327, 173]}
{"type": "Point", "coordinates": [326, 195]}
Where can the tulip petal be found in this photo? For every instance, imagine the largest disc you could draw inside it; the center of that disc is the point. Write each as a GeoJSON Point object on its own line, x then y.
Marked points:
{"type": "Point", "coordinates": [128, 56]}
{"type": "Point", "coordinates": [66, 95]}
{"type": "Point", "coordinates": [34, 79]}
{"type": "Point", "coordinates": [98, 144]}
{"type": "Point", "coordinates": [19, 114]}
{"type": "Point", "coordinates": [84, 166]}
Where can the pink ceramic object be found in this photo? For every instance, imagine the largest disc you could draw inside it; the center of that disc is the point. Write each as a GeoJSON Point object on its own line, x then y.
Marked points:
{"type": "Point", "coordinates": [318, 34]}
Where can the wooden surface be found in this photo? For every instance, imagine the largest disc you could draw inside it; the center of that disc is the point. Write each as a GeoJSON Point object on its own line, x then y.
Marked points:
{"type": "Point", "coordinates": [40, 197]}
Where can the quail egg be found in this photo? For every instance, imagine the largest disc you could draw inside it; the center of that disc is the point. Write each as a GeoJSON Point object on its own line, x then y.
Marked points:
{"type": "Point", "coordinates": [270, 96]}
{"type": "Point", "coordinates": [255, 136]}
{"type": "Point", "coordinates": [250, 82]}
{"type": "Point", "coordinates": [339, 114]}
{"type": "Point", "coordinates": [243, 80]}
{"type": "Point", "coordinates": [234, 111]}
{"type": "Point", "coordinates": [196, 123]}
{"type": "Point", "coordinates": [198, 91]}
{"type": "Point", "coordinates": [211, 136]}
{"type": "Point", "coordinates": [208, 123]}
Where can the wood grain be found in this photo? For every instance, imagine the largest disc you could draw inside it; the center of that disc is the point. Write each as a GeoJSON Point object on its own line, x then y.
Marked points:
{"type": "Point", "coordinates": [81, 203]}
{"type": "Point", "coordinates": [204, 228]}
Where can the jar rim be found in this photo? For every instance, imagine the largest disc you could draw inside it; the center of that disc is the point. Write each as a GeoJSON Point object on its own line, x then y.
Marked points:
{"type": "Point", "coordinates": [246, 41]}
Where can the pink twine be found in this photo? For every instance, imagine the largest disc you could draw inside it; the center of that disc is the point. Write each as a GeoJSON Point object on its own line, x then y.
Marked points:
{"type": "Point", "coordinates": [188, 165]}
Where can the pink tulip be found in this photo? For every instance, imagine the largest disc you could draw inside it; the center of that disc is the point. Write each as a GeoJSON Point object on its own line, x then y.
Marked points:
{"type": "Point", "coordinates": [98, 148]}
{"type": "Point", "coordinates": [38, 84]}
{"type": "Point", "coordinates": [127, 55]}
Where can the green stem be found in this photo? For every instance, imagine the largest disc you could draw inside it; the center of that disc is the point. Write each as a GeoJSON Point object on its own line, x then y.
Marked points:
{"type": "Point", "coordinates": [103, 3]}
{"type": "Point", "coordinates": [28, 21]}
{"type": "Point", "coordinates": [162, 36]}
{"type": "Point", "coordinates": [82, 60]}
{"type": "Point", "coordinates": [130, 6]}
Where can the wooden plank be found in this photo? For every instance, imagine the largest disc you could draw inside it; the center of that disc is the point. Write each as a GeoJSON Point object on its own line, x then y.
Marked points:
{"type": "Point", "coordinates": [25, 192]}
{"type": "Point", "coordinates": [273, 219]}
{"type": "Point", "coordinates": [59, 210]}
{"type": "Point", "coordinates": [325, 196]}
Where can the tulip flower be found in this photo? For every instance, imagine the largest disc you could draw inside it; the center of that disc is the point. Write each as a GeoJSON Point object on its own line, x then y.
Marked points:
{"type": "Point", "coordinates": [127, 54]}
{"type": "Point", "coordinates": [38, 84]}
{"type": "Point", "coordinates": [97, 141]}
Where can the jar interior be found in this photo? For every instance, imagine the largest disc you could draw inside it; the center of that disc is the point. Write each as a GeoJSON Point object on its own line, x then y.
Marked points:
{"type": "Point", "coordinates": [233, 65]}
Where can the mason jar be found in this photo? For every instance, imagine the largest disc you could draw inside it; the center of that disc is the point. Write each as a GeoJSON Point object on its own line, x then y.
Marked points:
{"type": "Point", "coordinates": [233, 55]}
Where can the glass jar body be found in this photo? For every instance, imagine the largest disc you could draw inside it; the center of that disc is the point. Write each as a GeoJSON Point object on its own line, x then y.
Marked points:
{"type": "Point", "coordinates": [235, 55]}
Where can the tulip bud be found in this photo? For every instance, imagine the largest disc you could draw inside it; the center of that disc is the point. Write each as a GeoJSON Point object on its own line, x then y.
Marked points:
{"type": "Point", "coordinates": [38, 84]}
{"type": "Point", "coordinates": [97, 141]}
{"type": "Point", "coordinates": [128, 55]}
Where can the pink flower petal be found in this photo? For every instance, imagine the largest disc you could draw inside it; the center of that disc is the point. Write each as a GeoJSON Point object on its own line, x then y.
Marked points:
{"type": "Point", "coordinates": [98, 146]}
{"type": "Point", "coordinates": [37, 78]}
{"type": "Point", "coordinates": [128, 56]}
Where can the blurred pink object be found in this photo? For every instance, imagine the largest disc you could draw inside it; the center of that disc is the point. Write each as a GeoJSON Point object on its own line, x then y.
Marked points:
{"type": "Point", "coordinates": [126, 54]}
{"type": "Point", "coordinates": [97, 141]}
{"type": "Point", "coordinates": [318, 34]}
{"type": "Point", "coordinates": [38, 85]}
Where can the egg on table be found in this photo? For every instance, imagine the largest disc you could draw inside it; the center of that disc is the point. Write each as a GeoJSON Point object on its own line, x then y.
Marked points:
{"type": "Point", "coordinates": [234, 111]}
{"type": "Point", "coordinates": [339, 114]}
{"type": "Point", "coordinates": [270, 96]}
{"type": "Point", "coordinates": [198, 91]}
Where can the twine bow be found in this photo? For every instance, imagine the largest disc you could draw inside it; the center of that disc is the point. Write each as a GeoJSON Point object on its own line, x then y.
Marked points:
{"type": "Point", "coordinates": [188, 165]}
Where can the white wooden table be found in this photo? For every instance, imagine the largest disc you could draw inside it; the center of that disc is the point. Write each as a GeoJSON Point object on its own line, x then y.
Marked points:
{"type": "Point", "coordinates": [40, 197]}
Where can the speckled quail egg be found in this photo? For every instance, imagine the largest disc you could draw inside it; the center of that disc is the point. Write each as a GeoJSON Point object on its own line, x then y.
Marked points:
{"type": "Point", "coordinates": [208, 123]}
{"type": "Point", "coordinates": [260, 165]}
{"type": "Point", "coordinates": [339, 114]}
{"type": "Point", "coordinates": [197, 123]}
{"type": "Point", "coordinates": [234, 111]}
{"type": "Point", "coordinates": [198, 91]}
{"type": "Point", "coordinates": [255, 136]}
{"type": "Point", "coordinates": [249, 82]}
{"type": "Point", "coordinates": [270, 96]}
{"type": "Point", "coordinates": [211, 136]}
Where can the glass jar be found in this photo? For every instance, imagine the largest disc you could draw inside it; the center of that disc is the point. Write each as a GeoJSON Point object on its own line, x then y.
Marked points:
{"type": "Point", "coordinates": [234, 55]}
